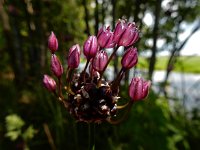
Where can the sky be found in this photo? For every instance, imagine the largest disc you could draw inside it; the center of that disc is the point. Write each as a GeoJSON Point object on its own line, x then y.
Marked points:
{"type": "Point", "coordinates": [192, 47]}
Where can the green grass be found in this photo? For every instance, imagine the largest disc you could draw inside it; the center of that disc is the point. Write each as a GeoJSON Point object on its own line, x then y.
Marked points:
{"type": "Point", "coordinates": [190, 64]}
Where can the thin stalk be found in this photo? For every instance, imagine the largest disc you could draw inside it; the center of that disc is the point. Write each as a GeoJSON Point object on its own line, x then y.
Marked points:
{"type": "Point", "coordinates": [60, 89]}
{"type": "Point", "coordinates": [116, 82]}
{"type": "Point", "coordinates": [91, 136]}
{"type": "Point", "coordinates": [93, 147]}
{"type": "Point", "coordinates": [111, 56]}
{"type": "Point", "coordinates": [49, 136]}
{"type": "Point", "coordinates": [59, 97]}
{"type": "Point", "coordinates": [54, 92]}
{"type": "Point", "coordinates": [61, 100]}
{"type": "Point", "coordinates": [75, 136]}
{"type": "Point", "coordinates": [124, 116]}
{"type": "Point", "coordinates": [86, 65]}
{"type": "Point", "coordinates": [67, 74]}
{"type": "Point", "coordinates": [91, 75]}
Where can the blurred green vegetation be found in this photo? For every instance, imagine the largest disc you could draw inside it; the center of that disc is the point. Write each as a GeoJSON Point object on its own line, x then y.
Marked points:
{"type": "Point", "coordinates": [189, 64]}
{"type": "Point", "coordinates": [32, 118]}
{"type": "Point", "coordinates": [152, 124]}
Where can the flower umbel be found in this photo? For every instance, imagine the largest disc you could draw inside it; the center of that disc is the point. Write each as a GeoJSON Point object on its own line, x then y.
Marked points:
{"type": "Point", "coordinates": [90, 97]}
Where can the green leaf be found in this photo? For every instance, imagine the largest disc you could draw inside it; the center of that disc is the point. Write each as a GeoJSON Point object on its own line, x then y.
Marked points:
{"type": "Point", "coordinates": [14, 122]}
{"type": "Point", "coordinates": [29, 133]}
{"type": "Point", "coordinates": [13, 135]}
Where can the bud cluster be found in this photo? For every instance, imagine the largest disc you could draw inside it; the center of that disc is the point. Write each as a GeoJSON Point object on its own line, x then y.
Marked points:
{"type": "Point", "coordinates": [90, 98]}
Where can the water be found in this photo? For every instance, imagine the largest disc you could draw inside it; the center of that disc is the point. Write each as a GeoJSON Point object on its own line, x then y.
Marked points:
{"type": "Point", "coordinates": [184, 86]}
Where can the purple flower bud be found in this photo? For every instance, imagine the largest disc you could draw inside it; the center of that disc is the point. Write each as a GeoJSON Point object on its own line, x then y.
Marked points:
{"type": "Point", "coordinates": [74, 57]}
{"type": "Point", "coordinates": [56, 66]}
{"type": "Point", "coordinates": [130, 58]}
{"type": "Point", "coordinates": [138, 89]}
{"type": "Point", "coordinates": [100, 60]}
{"type": "Point", "coordinates": [52, 43]}
{"type": "Point", "coordinates": [119, 30]}
{"type": "Point", "coordinates": [75, 47]}
{"type": "Point", "coordinates": [130, 35]}
{"type": "Point", "coordinates": [105, 38]}
{"type": "Point", "coordinates": [49, 83]}
{"type": "Point", "coordinates": [90, 47]}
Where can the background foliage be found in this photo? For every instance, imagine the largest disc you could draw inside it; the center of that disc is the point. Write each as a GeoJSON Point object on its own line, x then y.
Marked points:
{"type": "Point", "coordinates": [31, 118]}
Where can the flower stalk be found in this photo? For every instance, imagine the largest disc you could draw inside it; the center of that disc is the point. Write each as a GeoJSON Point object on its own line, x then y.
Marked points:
{"type": "Point", "coordinates": [84, 70]}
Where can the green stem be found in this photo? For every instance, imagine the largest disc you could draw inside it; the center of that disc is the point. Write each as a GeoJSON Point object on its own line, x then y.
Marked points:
{"type": "Point", "coordinates": [91, 136]}
{"type": "Point", "coordinates": [116, 82]}
{"type": "Point", "coordinates": [67, 74]}
{"type": "Point", "coordinates": [75, 135]}
{"type": "Point", "coordinates": [68, 77]}
{"type": "Point", "coordinates": [60, 89]}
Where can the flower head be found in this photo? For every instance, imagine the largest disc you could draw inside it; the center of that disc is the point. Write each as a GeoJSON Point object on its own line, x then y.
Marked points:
{"type": "Point", "coordinates": [138, 89]}
{"type": "Point", "coordinates": [52, 43]}
{"type": "Point", "coordinates": [91, 97]}
{"type": "Point", "coordinates": [49, 83]}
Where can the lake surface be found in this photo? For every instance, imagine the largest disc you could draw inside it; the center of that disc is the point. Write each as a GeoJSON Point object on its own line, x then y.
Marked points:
{"type": "Point", "coordinates": [185, 86]}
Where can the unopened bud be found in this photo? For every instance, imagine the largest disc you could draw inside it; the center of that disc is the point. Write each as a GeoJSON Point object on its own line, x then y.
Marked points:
{"type": "Point", "coordinates": [90, 47]}
{"type": "Point", "coordinates": [125, 34]}
{"type": "Point", "coordinates": [56, 66]}
{"type": "Point", "coordinates": [130, 36]}
{"type": "Point", "coordinates": [52, 43]}
{"type": "Point", "coordinates": [49, 83]}
{"type": "Point", "coordinates": [105, 38]}
{"type": "Point", "coordinates": [130, 58]}
{"type": "Point", "coordinates": [138, 89]}
{"type": "Point", "coordinates": [119, 29]}
{"type": "Point", "coordinates": [74, 57]}
{"type": "Point", "coordinates": [100, 61]}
